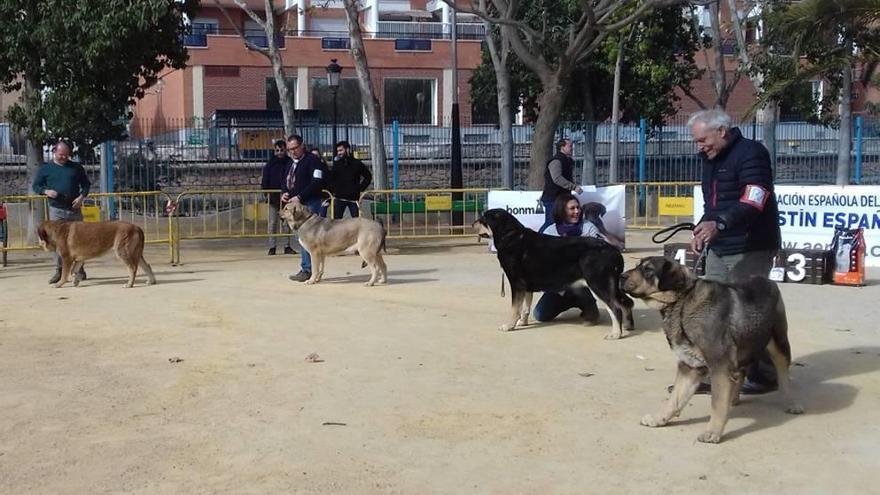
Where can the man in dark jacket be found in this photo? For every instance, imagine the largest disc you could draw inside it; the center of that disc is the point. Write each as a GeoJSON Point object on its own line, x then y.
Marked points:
{"type": "Point", "coordinates": [66, 185]}
{"type": "Point", "coordinates": [274, 176]}
{"type": "Point", "coordinates": [303, 185]}
{"type": "Point", "coordinates": [558, 179]}
{"type": "Point", "coordinates": [349, 178]}
{"type": "Point", "coordinates": [739, 226]}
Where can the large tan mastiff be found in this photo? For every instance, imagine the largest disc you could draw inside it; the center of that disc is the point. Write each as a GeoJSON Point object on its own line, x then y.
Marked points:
{"type": "Point", "coordinates": [324, 237]}
{"type": "Point", "coordinates": [76, 242]}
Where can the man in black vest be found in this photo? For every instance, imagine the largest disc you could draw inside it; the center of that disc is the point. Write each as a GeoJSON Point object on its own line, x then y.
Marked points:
{"type": "Point", "coordinates": [274, 176]}
{"type": "Point", "coordinates": [558, 179]}
{"type": "Point", "coordinates": [739, 226]}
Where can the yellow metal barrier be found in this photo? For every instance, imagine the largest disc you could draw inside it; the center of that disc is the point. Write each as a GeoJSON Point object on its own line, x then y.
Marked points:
{"type": "Point", "coordinates": [223, 214]}
{"type": "Point", "coordinates": [426, 213]}
{"type": "Point", "coordinates": [653, 205]}
{"type": "Point", "coordinates": [145, 209]}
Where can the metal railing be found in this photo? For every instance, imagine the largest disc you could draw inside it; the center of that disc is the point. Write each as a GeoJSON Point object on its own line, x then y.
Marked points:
{"type": "Point", "coordinates": [148, 210]}
{"type": "Point", "coordinates": [653, 205]}
{"type": "Point", "coordinates": [425, 213]}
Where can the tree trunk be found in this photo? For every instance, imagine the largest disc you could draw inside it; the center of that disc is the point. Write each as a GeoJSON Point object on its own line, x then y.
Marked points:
{"type": "Point", "coordinates": [368, 96]}
{"type": "Point", "coordinates": [719, 80]}
{"type": "Point", "coordinates": [844, 145]}
{"type": "Point", "coordinates": [769, 131]}
{"type": "Point", "coordinates": [614, 161]}
{"type": "Point", "coordinates": [285, 99]}
{"type": "Point", "coordinates": [499, 54]}
{"type": "Point", "coordinates": [550, 104]}
{"type": "Point", "coordinates": [34, 158]}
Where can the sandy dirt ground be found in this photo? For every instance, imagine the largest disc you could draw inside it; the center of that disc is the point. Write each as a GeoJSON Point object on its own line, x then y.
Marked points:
{"type": "Point", "coordinates": [201, 385]}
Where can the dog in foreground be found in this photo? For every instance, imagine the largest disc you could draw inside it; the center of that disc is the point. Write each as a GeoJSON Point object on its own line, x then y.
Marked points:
{"type": "Point", "coordinates": [716, 329]}
{"type": "Point", "coordinates": [324, 237]}
{"type": "Point", "coordinates": [77, 242]}
{"type": "Point", "coordinates": [536, 262]}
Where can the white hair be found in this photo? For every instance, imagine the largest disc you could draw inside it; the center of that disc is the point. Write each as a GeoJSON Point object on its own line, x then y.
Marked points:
{"type": "Point", "coordinates": [712, 119]}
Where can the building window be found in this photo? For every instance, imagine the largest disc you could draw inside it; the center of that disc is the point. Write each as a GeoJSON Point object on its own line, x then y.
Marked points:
{"type": "Point", "coordinates": [335, 43]}
{"type": "Point", "coordinates": [412, 45]}
{"type": "Point", "coordinates": [411, 101]}
{"type": "Point", "coordinates": [199, 31]}
{"type": "Point", "coordinates": [222, 71]}
{"type": "Point", "coordinates": [349, 108]}
{"type": "Point", "coordinates": [272, 102]}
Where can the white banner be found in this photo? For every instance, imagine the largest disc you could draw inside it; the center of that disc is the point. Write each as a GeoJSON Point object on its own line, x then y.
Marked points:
{"type": "Point", "coordinates": [809, 214]}
{"type": "Point", "coordinates": [527, 208]}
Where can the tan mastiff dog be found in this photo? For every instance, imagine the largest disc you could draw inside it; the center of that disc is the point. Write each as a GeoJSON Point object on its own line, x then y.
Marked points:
{"type": "Point", "coordinates": [76, 242]}
{"type": "Point", "coordinates": [324, 237]}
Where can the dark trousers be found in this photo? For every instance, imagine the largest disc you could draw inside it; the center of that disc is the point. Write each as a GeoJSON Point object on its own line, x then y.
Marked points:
{"type": "Point", "coordinates": [339, 206]}
{"type": "Point", "coordinates": [548, 215]}
{"type": "Point", "coordinates": [552, 304]}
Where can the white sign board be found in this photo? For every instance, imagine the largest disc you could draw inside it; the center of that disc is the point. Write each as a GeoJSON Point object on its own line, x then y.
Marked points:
{"type": "Point", "coordinates": [527, 208]}
{"type": "Point", "coordinates": [809, 214]}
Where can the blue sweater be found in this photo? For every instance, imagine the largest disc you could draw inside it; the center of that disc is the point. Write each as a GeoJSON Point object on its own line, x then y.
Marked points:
{"type": "Point", "coordinates": [69, 180]}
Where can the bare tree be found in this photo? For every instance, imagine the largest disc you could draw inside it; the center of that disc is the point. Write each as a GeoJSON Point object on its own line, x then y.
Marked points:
{"type": "Point", "coordinates": [498, 46]}
{"type": "Point", "coordinates": [368, 95]}
{"type": "Point", "coordinates": [722, 87]}
{"type": "Point", "coordinates": [770, 108]}
{"type": "Point", "coordinates": [271, 52]}
{"type": "Point", "coordinates": [554, 67]}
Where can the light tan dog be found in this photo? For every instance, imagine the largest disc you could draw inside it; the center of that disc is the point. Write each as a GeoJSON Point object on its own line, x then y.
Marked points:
{"type": "Point", "coordinates": [323, 237]}
{"type": "Point", "coordinates": [76, 242]}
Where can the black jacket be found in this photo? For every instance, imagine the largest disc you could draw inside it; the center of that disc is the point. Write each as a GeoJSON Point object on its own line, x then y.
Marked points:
{"type": "Point", "coordinates": [551, 190]}
{"type": "Point", "coordinates": [349, 178]}
{"type": "Point", "coordinates": [726, 178]}
{"type": "Point", "coordinates": [309, 175]}
{"type": "Point", "coordinates": [274, 174]}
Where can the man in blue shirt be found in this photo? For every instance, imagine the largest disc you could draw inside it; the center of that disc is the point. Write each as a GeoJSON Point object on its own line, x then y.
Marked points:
{"type": "Point", "coordinates": [66, 185]}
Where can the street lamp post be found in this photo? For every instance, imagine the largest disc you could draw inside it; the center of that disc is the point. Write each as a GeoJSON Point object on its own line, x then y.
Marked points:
{"type": "Point", "coordinates": [334, 71]}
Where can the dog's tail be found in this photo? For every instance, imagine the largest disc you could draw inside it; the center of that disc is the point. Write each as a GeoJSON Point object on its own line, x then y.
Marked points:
{"type": "Point", "coordinates": [381, 246]}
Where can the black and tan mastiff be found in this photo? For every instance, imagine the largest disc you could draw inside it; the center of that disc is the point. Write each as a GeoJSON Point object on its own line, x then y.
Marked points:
{"type": "Point", "coordinates": [536, 262]}
{"type": "Point", "coordinates": [324, 237]}
{"type": "Point", "coordinates": [716, 329]}
{"type": "Point", "coordinates": [77, 242]}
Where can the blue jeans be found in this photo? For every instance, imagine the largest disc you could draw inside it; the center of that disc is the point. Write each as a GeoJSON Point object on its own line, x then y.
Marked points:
{"type": "Point", "coordinates": [62, 214]}
{"type": "Point", "coordinates": [548, 215]}
{"type": "Point", "coordinates": [306, 263]}
{"type": "Point", "coordinates": [552, 304]}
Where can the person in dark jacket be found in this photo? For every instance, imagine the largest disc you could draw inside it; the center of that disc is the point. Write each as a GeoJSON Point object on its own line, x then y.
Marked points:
{"type": "Point", "coordinates": [558, 179]}
{"type": "Point", "coordinates": [274, 175]}
{"type": "Point", "coordinates": [303, 185]}
{"type": "Point", "coordinates": [349, 179]}
{"type": "Point", "coordinates": [739, 226]}
{"type": "Point", "coordinates": [66, 185]}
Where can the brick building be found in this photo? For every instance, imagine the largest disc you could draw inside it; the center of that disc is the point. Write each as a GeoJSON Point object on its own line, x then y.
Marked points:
{"type": "Point", "coordinates": [407, 42]}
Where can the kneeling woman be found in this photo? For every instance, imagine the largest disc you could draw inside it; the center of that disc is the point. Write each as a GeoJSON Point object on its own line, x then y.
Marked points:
{"type": "Point", "coordinates": [568, 222]}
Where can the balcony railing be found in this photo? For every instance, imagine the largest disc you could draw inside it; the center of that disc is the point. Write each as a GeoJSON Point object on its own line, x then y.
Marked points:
{"type": "Point", "coordinates": [389, 30]}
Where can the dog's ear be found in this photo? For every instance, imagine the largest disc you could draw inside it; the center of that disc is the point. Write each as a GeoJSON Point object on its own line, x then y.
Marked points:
{"type": "Point", "coordinates": [672, 276]}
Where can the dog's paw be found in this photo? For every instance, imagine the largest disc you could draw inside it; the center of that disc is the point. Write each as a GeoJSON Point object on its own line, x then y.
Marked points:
{"type": "Point", "coordinates": [651, 422]}
{"type": "Point", "coordinates": [369, 284]}
{"type": "Point", "coordinates": [522, 322]}
{"type": "Point", "coordinates": [311, 282]}
{"type": "Point", "coordinates": [614, 335]}
{"type": "Point", "coordinates": [507, 327]}
{"type": "Point", "coordinates": [794, 408]}
{"type": "Point", "coordinates": [709, 437]}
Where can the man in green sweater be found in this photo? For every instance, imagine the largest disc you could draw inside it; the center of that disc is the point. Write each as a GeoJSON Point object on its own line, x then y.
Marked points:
{"type": "Point", "coordinates": [65, 184]}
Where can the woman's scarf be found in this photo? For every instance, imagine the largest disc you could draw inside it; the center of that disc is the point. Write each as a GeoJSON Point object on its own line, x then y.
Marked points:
{"type": "Point", "coordinates": [569, 229]}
